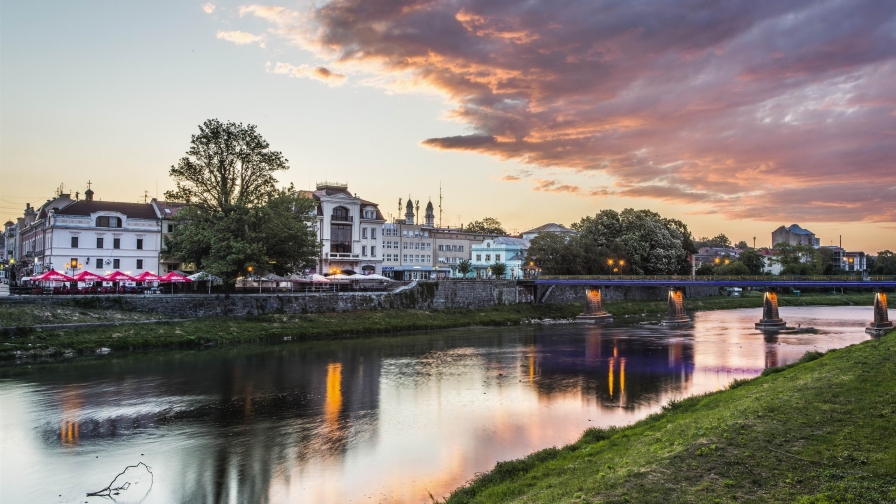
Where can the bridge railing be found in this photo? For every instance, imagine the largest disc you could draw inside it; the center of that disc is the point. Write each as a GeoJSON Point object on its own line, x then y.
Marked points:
{"type": "Point", "coordinates": [735, 278]}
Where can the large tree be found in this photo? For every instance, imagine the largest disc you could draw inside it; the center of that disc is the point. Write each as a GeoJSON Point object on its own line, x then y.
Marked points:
{"type": "Point", "coordinates": [488, 225]}
{"type": "Point", "coordinates": [235, 216]}
{"type": "Point", "coordinates": [753, 260]}
{"type": "Point", "coordinates": [884, 263]}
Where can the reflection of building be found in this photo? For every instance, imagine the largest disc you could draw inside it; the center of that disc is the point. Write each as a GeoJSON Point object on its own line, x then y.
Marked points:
{"type": "Point", "coordinates": [349, 230]}
{"type": "Point", "coordinates": [794, 235]}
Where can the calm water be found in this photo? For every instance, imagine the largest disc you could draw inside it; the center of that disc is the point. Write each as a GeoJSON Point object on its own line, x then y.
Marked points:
{"type": "Point", "coordinates": [387, 420]}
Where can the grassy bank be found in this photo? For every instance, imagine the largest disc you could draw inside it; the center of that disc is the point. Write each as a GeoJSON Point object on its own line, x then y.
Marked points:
{"type": "Point", "coordinates": [820, 431]}
{"type": "Point", "coordinates": [199, 333]}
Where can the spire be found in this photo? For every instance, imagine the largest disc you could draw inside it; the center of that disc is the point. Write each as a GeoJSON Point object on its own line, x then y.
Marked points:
{"type": "Point", "coordinates": [88, 194]}
{"type": "Point", "coordinates": [430, 215]}
{"type": "Point", "coordinates": [409, 212]}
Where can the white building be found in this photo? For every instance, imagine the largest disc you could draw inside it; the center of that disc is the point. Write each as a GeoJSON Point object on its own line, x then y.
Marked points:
{"type": "Point", "coordinates": [101, 236]}
{"type": "Point", "coordinates": [504, 249]}
{"type": "Point", "coordinates": [349, 230]}
{"type": "Point", "coordinates": [166, 212]}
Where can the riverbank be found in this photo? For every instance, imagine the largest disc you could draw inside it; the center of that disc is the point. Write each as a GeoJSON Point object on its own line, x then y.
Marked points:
{"type": "Point", "coordinates": [819, 431]}
{"type": "Point", "coordinates": [34, 343]}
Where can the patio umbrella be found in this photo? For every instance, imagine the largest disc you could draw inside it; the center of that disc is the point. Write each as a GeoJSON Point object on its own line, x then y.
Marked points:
{"type": "Point", "coordinates": [52, 276]}
{"type": "Point", "coordinates": [338, 276]}
{"type": "Point", "coordinates": [376, 277]}
{"type": "Point", "coordinates": [174, 277]}
{"type": "Point", "coordinates": [118, 276]}
{"type": "Point", "coordinates": [205, 277]}
{"type": "Point", "coordinates": [88, 276]}
{"type": "Point", "coordinates": [319, 278]}
{"type": "Point", "coordinates": [147, 276]}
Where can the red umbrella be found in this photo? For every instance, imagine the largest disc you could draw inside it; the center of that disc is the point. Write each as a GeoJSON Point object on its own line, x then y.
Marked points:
{"type": "Point", "coordinates": [148, 276]}
{"type": "Point", "coordinates": [117, 276]}
{"type": "Point", "coordinates": [88, 276]}
{"type": "Point", "coordinates": [174, 277]}
{"type": "Point", "coordinates": [52, 276]}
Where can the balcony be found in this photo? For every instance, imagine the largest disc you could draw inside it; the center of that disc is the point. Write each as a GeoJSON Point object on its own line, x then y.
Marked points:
{"type": "Point", "coordinates": [343, 256]}
{"type": "Point", "coordinates": [341, 218]}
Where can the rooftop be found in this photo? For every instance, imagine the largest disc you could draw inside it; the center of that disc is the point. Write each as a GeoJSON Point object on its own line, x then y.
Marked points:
{"type": "Point", "coordinates": [132, 210]}
{"type": "Point", "coordinates": [550, 227]}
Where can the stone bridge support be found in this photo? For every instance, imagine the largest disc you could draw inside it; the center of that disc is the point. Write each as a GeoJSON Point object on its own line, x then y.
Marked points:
{"type": "Point", "coordinates": [770, 321]}
{"type": "Point", "coordinates": [881, 322]}
{"type": "Point", "coordinates": [594, 307]}
{"type": "Point", "coordinates": [676, 314]}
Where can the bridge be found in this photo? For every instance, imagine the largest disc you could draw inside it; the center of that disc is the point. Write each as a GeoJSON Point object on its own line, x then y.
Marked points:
{"type": "Point", "coordinates": [771, 320]}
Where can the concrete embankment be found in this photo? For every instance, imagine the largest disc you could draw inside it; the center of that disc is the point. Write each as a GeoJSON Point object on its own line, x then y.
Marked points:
{"type": "Point", "coordinates": [424, 295]}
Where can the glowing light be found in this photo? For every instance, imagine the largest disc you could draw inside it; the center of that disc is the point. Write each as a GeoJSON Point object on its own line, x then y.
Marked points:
{"type": "Point", "coordinates": [333, 402]}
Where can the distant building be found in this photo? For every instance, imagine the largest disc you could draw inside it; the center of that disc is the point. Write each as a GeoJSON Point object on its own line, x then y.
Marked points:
{"type": "Point", "coordinates": [770, 263]}
{"type": "Point", "coordinates": [503, 249]}
{"type": "Point", "coordinates": [349, 230]}
{"type": "Point", "coordinates": [453, 245]}
{"type": "Point", "coordinates": [794, 235]}
{"type": "Point", "coordinates": [715, 255]}
{"type": "Point", "coordinates": [547, 228]}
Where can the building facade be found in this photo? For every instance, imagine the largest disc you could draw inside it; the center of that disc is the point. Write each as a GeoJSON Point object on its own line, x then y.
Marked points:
{"type": "Point", "coordinates": [794, 235]}
{"type": "Point", "coordinates": [166, 211]}
{"type": "Point", "coordinates": [102, 237]}
{"type": "Point", "coordinates": [349, 230]}
{"type": "Point", "coordinates": [504, 249]}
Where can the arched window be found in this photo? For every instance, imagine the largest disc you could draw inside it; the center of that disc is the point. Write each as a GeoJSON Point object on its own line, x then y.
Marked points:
{"type": "Point", "coordinates": [108, 222]}
{"type": "Point", "coordinates": [340, 214]}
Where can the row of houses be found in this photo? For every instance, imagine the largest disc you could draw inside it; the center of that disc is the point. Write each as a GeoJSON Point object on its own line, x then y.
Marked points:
{"type": "Point", "coordinates": [75, 234]}
{"type": "Point", "coordinates": [851, 262]}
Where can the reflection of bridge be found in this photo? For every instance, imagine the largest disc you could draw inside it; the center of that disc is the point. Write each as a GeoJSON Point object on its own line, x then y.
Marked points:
{"type": "Point", "coordinates": [770, 321]}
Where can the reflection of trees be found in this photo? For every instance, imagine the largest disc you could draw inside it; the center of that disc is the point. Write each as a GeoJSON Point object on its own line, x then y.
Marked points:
{"type": "Point", "coordinates": [616, 370]}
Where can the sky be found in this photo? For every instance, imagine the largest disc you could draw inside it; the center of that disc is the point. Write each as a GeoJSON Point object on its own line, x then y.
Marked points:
{"type": "Point", "coordinates": [735, 117]}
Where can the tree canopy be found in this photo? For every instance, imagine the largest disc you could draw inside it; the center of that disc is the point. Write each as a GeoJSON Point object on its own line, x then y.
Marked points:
{"type": "Point", "coordinates": [885, 263]}
{"type": "Point", "coordinates": [235, 215]}
{"type": "Point", "coordinates": [488, 225]}
{"type": "Point", "coordinates": [627, 242]}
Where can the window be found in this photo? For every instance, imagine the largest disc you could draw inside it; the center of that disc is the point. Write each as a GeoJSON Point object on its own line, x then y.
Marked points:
{"type": "Point", "coordinates": [364, 232]}
{"type": "Point", "coordinates": [460, 248]}
{"type": "Point", "coordinates": [498, 257]}
{"type": "Point", "coordinates": [340, 214]}
{"type": "Point", "coordinates": [373, 251]}
{"type": "Point", "coordinates": [139, 243]}
{"type": "Point", "coordinates": [417, 246]}
{"type": "Point", "coordinates": [405, 245]}
{"type": "Point", "coordinates": [139, 263]}
{"type": "Point", "coordinates": [116, 243]}
{"type": "Point", "coordinates": [404, 232]}
{"type": "Point", "coordinates": [404, 257]}
{"type": "Point", "coordinates": [108, 222]}
{"type": "Point", "coordinates": [488, 257]}
{"type": "Point", "coordinates": [429, 247]}
{"type": "Point", "coordinates": [116, 263]}
{"type": "Point", "coordinates": [441, 248]}
{"type": "Point", "coordinates": [373, 233]}
{"type": "Point", "coordinates": [74, 242]}
{"type": "Point", "coordinates": [478, 257]}
{"type": "Point", "coordinates": [170, 228]}
{"type": "Point", "coordinates": [364, 250]}
{"type": "Point", "coordinates": [99, 243]}
{"type": "Point", "coordinates": [99, 264]}
{"type": "Point", "coordinates": [340, 238]}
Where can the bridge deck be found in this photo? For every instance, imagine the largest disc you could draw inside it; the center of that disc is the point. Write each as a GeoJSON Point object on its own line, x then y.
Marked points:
{"type": "Point", "coordinates": [878, 282]}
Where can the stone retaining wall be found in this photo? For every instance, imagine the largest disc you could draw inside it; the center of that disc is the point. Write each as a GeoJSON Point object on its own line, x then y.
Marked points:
{"type": "Point", "coordinates": [424, 295]}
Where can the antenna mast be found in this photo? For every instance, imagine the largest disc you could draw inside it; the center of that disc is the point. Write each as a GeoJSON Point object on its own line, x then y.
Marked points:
{"type": "Point", "coordinates": [440, 203]}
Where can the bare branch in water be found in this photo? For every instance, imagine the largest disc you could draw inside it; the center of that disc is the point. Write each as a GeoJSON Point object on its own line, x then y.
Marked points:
{"type": "Point", "coordinates": [108, 491]}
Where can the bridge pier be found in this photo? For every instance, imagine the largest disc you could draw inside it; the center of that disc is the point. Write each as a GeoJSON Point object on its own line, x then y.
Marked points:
{"type": "Point", "coordinates": [770, 321]}
{"type": "Point", "coordinates": [594, 307]}
{"type": "Point", "coordinates": [676, 315]}
{"type": "Point", "coordinates": [881, 322]}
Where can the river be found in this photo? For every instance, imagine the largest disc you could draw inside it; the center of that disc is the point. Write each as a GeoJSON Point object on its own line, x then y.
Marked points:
{"type": "Point", "coordinates": [380, 420]}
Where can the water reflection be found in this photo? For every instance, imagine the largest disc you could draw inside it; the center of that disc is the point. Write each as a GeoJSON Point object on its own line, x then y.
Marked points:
{"type": "Point", "coordinates": [387, 420]}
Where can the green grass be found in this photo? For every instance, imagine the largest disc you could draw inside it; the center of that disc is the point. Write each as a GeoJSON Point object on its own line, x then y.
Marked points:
{"type": "Point", "coordinates": [820, 431]}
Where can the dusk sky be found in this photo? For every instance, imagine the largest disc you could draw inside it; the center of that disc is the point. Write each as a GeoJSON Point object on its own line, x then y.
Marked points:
{"type": "Point", "coordinates": [733, 116]}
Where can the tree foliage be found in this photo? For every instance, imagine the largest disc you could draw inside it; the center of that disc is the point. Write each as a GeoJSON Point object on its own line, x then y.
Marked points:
{"type": "Point", "coordinates": [499, 270]}
{"type": "Point", "coordinates": [630, 242]}
{"type": "Point", "coordinates": [464, 267]}
{"type": "Point", "coordinates": [235, 216]}
{"type": "Point", "coordinates": [488, 225]}
{"type": "Point", "coordinates": [885, 263]}
{"type": "Point", "coordinates": [753, 261]}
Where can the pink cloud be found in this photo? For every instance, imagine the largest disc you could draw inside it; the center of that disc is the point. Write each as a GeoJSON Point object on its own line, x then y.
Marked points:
{"type": "Point", "coordinates": [755, 109]}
